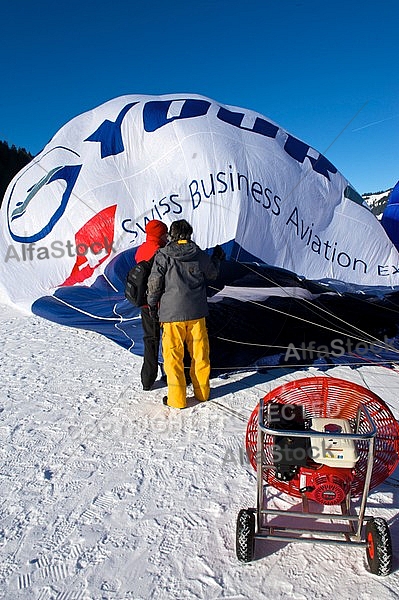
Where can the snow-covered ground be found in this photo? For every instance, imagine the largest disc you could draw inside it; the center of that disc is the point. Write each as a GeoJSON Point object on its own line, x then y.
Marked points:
{"type": "Point", "coordinates": [377, 202]}
{"type": "Point", "coordinates": [108, 495]}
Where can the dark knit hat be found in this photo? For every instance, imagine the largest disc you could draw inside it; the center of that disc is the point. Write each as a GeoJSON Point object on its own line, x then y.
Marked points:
{"type": "Point", "coordinates": [180, 230]}
{"type": "Point", "coordinates": [156, 229]}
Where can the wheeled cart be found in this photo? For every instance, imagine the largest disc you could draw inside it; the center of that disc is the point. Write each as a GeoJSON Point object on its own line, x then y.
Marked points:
{"type": "Point", "coordinates": [324, 448]}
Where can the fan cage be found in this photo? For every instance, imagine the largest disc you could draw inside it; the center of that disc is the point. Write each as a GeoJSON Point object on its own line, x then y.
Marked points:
{"type": "Point", "coordinates": [333, 398]}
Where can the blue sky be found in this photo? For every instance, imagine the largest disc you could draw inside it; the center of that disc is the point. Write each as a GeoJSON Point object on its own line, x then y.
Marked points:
{"type": "Point", "coordinates": [327, 72]}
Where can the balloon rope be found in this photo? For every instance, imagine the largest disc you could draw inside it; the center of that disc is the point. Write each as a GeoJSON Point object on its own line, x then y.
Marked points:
{"type": "Point", "coordinates": [364, 340]}
{"type": "Point", "coordinates": [266, 367]}
{"type": "Point", "coordinates": [320, 309]}
{"type": "Point", "coordinates": [230, 411]}
{"type": "Point", "coordinates": [114, 310]}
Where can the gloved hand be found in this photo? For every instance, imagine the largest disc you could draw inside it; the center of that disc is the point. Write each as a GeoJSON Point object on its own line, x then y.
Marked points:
{"type": "Point", "coordinates": [153, 310]}
{"type": "Point", "coordinates": [218, 253]}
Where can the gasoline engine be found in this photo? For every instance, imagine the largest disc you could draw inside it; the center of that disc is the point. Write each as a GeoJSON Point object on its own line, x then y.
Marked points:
{"type": "Point", "coordinates": [322, 469]}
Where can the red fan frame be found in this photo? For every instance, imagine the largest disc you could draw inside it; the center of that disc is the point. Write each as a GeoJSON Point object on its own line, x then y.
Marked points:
{"type": "Point", "coordinates": [330, 397]}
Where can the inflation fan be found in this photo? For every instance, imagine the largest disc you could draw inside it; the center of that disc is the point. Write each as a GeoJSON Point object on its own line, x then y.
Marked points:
{"type": "Point", "coordinates": [327, 442]}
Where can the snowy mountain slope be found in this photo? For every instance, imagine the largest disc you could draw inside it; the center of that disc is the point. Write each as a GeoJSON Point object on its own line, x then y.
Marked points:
{"type": "Point", "coordinates": [377, 201]}
{"type": "Point", "coordinates": [109, 495]}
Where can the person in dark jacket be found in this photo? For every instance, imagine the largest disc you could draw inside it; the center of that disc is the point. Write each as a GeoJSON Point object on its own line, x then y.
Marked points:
{"type": "Point", "coordinates": [156, 237]}
{"type": "Point", "coordinates": [177, 294]}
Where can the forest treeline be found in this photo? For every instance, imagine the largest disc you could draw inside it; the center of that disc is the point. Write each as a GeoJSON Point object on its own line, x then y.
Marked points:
{"type": "Point", "coordinates": [12, 159]}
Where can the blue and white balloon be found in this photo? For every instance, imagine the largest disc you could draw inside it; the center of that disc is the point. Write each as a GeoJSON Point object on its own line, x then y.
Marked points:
{"type": "Point", "coordinates": [72, 219]}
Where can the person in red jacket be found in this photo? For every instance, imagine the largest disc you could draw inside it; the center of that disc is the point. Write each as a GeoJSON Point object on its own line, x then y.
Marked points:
{"type": "Point", "coordinates": [156, 237]}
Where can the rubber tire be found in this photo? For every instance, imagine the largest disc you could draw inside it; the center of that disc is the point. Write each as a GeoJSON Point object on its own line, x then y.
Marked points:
{"type": "Point", "coordinates": [245, 535]}
{"type": "Point", "coordinates": [379, 547]}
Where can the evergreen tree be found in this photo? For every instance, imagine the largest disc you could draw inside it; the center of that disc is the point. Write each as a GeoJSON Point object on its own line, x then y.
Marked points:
{"type": "Point", "coordinates": [11, 161]}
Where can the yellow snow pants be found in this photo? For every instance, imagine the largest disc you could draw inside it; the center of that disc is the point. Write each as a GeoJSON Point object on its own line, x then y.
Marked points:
{"type": "Point", "coordinates": [195, 335]}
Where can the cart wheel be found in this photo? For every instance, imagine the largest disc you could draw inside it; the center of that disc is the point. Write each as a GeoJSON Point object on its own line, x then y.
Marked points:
{"type": "Point", "coordinates": [379, 547]}
{"type": "Point", "coordinates": [245, 535]}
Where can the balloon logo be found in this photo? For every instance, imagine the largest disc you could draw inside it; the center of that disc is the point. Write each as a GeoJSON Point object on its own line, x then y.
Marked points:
{"type": "Point", "coordinates": [40, 195]}
{"type": "Point", "coordinates": [94, 240]}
